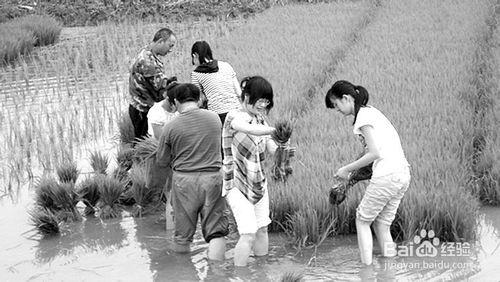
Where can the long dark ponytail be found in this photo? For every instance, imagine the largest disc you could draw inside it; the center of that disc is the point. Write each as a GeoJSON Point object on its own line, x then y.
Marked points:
{"type": "Point", "coordinates": [344, 87]}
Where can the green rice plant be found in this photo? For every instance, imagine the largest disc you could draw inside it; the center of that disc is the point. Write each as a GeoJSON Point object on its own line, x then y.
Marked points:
{"type": "Point", "coordinates": [144, 196]}
{"type": "Point", "coordinates": [88, 191]}
{"type": "Point", "coordinates": [145, 148]}
{"type": "Point", "coordinates": [59, 198]}
{"type": "Point", "coordinates": [126, 133]}
{"type": "Point", "coordinates": [45, 29]}
{"type": "Point", "coordinates": [283, 131]}
{"type": "Point", "coordinates": [125, 157]}
{"type": "Point", "coordinates": [67, 171]}
{"type": "Point", "coordinates": [45, 193]}
{"type": "Point", "coordinates": [437, 195]}
{"type": "Point", "coordinates": [99, 162]}
{"type": "Point", "coordinates": [110, 190]}
{"type": "Point", "coordinates": [45, 221]}
{"type": "Point", "coordinates": [15, 42]}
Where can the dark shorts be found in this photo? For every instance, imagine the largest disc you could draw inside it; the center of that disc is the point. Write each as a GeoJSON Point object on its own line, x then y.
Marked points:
{"type": "Point", "coordinates": [198, 193]}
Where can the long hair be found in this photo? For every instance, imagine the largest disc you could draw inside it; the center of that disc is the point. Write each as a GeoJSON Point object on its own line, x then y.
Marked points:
{"type": "Point", "coordinates": [344, 87]}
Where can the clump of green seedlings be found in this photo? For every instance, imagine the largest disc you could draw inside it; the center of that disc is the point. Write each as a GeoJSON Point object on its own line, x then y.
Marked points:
{"type": "Point", "coordinates": [67, 172]}
{"type": "Point", "coordinates": [144, 196]}
{"type": "Point", "coordinates": [45, 221]}
{"type": "Point", "coordinates": [145, 149]}
{"type": "Point", "coordinates": [125, 160]}
{"type": "Point", "coordinates": [126, 133]}
{"type": "Point", "coordinates": [99, 162]}
{"type": "Point", "coordinates": [88, 192]}
{"type": "Point", "coordinates": [54, 203]}
{"type": "Point", "coordinates": [110, 190]}
{"type": "Point", "coordinates": [281, 166]}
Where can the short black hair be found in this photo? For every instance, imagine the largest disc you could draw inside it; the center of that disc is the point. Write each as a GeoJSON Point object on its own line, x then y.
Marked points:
{"type": "Point", "coordinates": [163, 34]}
{"type": "Point", "coordinates": [257, 87]}
{"type": "Point", "coordinates": [183, 92]}
{"type": "Point", "coordinates": [203, 50]}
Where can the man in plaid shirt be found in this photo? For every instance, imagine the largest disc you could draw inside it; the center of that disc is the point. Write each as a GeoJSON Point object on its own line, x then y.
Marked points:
{"type": "Point", "coordinates": [147, 81]}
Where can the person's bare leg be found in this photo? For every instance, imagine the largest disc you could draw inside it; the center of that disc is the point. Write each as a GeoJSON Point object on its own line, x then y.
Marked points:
{"type": "Point", "coordinates": [216, 248]}
{"type": "Point", "coordinates": [365, 241]}
{"type": "Point", "coordinates": [384, 238]}
{"type": "Point", "coordinates": [261, 244]}
{"type": "Point", "coordinates": [243, 249]}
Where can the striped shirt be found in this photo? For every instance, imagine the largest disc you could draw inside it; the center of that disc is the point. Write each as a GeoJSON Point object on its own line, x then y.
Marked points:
{"type": "Point", "coordinates": [244, 156]}
{"type": "Point", "coordinates": [191, 142]}
{"type": "Point", "coordinates": [221, 88]}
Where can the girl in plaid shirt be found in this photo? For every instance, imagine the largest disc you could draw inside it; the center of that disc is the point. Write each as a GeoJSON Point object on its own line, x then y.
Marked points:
{"type": "Point", "coordinates": [245, 142]}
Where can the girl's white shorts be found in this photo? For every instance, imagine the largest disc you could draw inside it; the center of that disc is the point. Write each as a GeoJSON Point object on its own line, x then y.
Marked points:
{"type": "Point", "coordinates": [249, 217]}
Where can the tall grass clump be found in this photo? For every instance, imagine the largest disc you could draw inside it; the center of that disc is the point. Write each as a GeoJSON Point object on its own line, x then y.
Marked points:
{"type": "Point", "coordinates": [15, 42]}
{"type": "Point", "coordinates": [21, 35]}
{"type": "Point", "coordinates": [45, 29]}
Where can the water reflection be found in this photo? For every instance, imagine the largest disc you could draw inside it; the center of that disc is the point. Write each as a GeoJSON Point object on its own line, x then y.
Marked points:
{"type": "Point", "coordinates": [139, 249]}
{"type": "Point", "coordinates": [90, 236]}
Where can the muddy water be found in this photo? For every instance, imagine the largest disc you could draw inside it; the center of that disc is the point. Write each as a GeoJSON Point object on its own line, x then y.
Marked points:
{"type": "Point", "coordinates": [139, 249]}
{"type": "Point", "coordinates": [132, 249]}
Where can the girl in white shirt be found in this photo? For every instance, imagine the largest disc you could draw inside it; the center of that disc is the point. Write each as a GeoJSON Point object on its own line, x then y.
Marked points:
{"type": "Point", "coordinates": [391, 173]}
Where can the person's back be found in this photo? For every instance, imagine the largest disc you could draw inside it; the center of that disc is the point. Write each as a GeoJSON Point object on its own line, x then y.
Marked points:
{"type": "Point", "coordinates": [392, 157]}
{"type": "Point", "coordinates": [194, 139]}
{"type": "Point", "coordinates": [219, 87]}
{"type": "Point", "coordinates": [190, 143]}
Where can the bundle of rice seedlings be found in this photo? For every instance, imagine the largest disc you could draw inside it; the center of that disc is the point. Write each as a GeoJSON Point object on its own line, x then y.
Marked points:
{"type": "Point", "coordinates": [125, 157]}
{"type": "Point", "coordinates": [126, 129]}
{"type": "Point", "coordinates": [69, 212]}
{"type": "Point", "coordinates": [143, 196]}
{"type": "Point", "coordinates": [88, 192]}
{"type": "Point", "coordinates": [110, 190]}
{"type": "Point", "coordinates": [45, 221]}
{"type": "Point", "coordinates": [45, 190]}
{"type": "Point", "coordinates": [59, 198]}
{"type": "Point", "coordinates": [283, 131]}
{"type": "Point", "coordinates": [145, 148]}
{"type": "Point", "coordinates": [67, 171]}
{"type": "Point", "coordinates": [281, 166]}
{"type": "Point", "coordinates": [99, 162]}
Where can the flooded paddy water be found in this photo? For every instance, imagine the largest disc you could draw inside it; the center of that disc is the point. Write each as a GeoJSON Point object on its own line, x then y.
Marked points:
{"type": "Point", "coordinates": [138, 249]}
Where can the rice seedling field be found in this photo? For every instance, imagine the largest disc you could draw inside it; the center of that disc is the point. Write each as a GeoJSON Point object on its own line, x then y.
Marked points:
{"type": "Point", "coordinates": [414, 57]}
{"type": "Point", "coordinates": [416, 69]}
